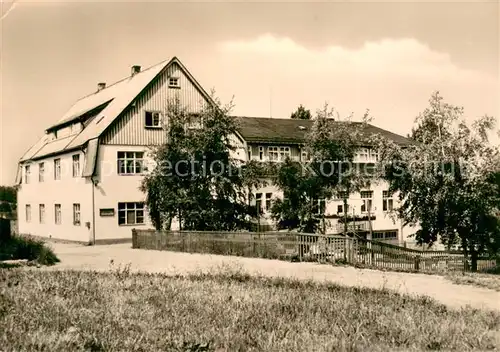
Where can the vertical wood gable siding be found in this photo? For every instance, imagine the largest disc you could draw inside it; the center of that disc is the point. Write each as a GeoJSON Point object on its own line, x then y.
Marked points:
{"type": "Point", "coordinates": [129, 128]}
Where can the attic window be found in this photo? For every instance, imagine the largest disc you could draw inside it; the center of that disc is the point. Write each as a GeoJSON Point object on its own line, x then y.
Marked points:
{"type": "Point", "coordinates": [302, 127]}
{"type": "Point", "coordinates": [152, 119]}
{"type": "Point", "coordinates": [173, 82]}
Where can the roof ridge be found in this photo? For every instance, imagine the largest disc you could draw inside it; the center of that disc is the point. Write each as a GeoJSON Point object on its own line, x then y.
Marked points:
{"type": "Point", "coordinates": [123, 79]}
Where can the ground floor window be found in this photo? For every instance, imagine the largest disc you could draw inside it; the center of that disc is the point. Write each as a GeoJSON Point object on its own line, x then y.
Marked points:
{"type": "Point", "coordinates": [28, 213]}
{"type": "Point", "coordinates": [57, 214]}
{"type": "Point", "coordinates": [76, 214]}
{"type": "Point", "coordinates": [385, 235]}
{"type": "Point", "coordinates": [130, 213]}
{"type": "Point", "coordinates": [41, 213]}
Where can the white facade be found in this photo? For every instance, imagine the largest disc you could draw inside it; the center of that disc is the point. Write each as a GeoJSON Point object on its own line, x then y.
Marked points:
{"type": "Point", "coordinates": [105, 202]}
{"type": "Point", "coordinates": [47, 191]}
{"type": "Point", "coordinates": [108, 203]}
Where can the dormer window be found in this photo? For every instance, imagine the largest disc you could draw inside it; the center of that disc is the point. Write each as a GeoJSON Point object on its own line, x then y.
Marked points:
{"type": "Point", "coordinates": [152, 119]}
{"type": "Point", "coordinates": [173, 82]}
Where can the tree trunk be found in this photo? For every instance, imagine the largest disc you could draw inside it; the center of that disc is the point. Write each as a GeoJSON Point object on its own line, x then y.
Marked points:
{"type": "Point", "coordinates": [473, 257]}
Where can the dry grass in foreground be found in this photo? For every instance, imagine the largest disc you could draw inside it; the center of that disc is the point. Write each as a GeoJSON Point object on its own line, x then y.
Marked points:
{"type": "Point", "coordinates": [228, 310]}
{"type": "Point", "coordinates": [491, 281]}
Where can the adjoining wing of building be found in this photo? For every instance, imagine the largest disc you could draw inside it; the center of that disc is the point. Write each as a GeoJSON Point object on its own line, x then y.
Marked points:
{"type": "Point", "coordinates": [81, 180]}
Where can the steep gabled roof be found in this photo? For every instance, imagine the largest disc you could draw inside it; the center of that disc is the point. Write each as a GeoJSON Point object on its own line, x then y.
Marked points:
{"type": "Point", "coordinates": [107, 104]}
{"type": "Point", "coordinates": [293, 131]}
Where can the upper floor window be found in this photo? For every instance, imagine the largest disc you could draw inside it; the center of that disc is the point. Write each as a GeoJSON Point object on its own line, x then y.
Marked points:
{"type": "Point", "coordinates": [130, 163]}
{"type": "Point", "coordinates": [304, 156]}
{"type": "Point", "coordinates": [173, 82]}
{"type": "Point", "coordinates": [131, 213]}
{"type": "Point", "coordinates": [278, 153]}
{"type": "Point", "coordinates": [387, 201]}
{"type": "Point", "coordinates": [363, 154]}
{"type": "Point", "coordinates": [258, 202]}
{"type": "Point", "coordinates": [343, 195]}
{"type": "Point", "coordinates": [41, 172]}
{"type": "Point", "coordinates": [76, 165]}
{"type": "Point", "coordinates": [366, 197]}
{"type": "Point", "coordinates": [261, 153]}
{"type": "Point", "coordinates": [57, 169]}
{"type": "Point", "coordinates": [269, 201]}
{"type": "Point", "coordinates": [27, 174]}
{"type": "Point", "coordinates": [152, 119]}
{"type": "Point", "coordinates": [367, 154]}
{"type": "Point", "coordinates": [319, 206]}
{"type": "Point", "coordinates": [340, 208]}
{"type": "Point", "coordinates": [194, 121]}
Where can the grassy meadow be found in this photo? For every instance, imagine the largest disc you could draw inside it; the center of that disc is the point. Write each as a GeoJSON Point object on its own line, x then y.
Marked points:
{"type": "Point", "coordinates": [227, 310]}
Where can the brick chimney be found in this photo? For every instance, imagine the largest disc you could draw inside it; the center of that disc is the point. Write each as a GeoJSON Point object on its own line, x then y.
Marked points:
{"type": "Point", "coordinates": [135, 70]}
{"type": "Point", "coordinates": [101, 86]}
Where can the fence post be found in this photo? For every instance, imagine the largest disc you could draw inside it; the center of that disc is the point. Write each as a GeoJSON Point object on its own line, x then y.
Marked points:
{"type": "Point", "coordinates": [417, 263]}
{"type": "Point", "coordinates": [134, 238]}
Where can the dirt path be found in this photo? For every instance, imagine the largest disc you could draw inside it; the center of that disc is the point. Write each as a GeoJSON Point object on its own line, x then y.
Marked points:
{"type": "Point", "coordinates": [75, 256]}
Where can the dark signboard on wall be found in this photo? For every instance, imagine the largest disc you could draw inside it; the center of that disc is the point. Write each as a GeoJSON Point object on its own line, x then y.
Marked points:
{"type": "Point", "coordinates": [107, 212]}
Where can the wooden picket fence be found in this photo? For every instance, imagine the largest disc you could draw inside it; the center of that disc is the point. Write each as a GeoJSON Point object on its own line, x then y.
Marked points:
{"type": "Point", "coordinates": [293, 246]}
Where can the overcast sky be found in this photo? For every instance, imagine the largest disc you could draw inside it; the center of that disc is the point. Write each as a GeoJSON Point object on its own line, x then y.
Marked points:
{"type": "Point", "coordinates": [388, 57]}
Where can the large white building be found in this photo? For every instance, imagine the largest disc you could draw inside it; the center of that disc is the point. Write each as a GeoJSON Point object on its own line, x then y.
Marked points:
{"type": "Point", "coordinates": [81, 180]}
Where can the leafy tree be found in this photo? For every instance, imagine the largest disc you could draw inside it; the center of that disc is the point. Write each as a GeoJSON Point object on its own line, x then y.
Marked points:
{"type": "Point", "coordinates": [447, 182]}
{"type": "Point", "coordinates": [306, 186]}
{"type": "Point", "coordinates": [196, 178]}
{"type": "Point", "coordinates": [301, 114]}
{"type": "Point", "coordinates": [8, 201]}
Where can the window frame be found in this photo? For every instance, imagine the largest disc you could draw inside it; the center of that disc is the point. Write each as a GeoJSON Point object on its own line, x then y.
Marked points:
{"type": "Point", "coordinates": [27, 174]}
{"type": "Point", "coordinates": [177, 82]}
{"type": "Point", "coordinates": [319, 206]}
{"type": "Point", "coordinates": [258, 202]}
{"type": "Point", "coordinates": [57, 214]}
{"type": "Point", "coordinates": [76, 214]}
{"type": "Point", "coordinates": [387, 202]}
{"type": "Point", "coordinates": [27, 214]}
{"type": "Point", "coordinates": [135, 207]}
{"type": "Point", "coordinates": [268, 201]}
{"type": "Point", "coordinates": [41, 213]}
{"type": "Point", "coordinates": [261, 153]}
{"type": "Point", "coordinates": [41, 172]}
{"type": "Point", "coordinates": [122, 163]}
{"type": "Point", "coordinates": [367, 198]}
{"type": "Point", "coordinates": [57, 169]}
{"type": "Point", "coordinates": [153, 125]}
{"type": "Point", "coordinates": [280, 152]}
{"type": "Point", "coordinates": [76, 162]}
